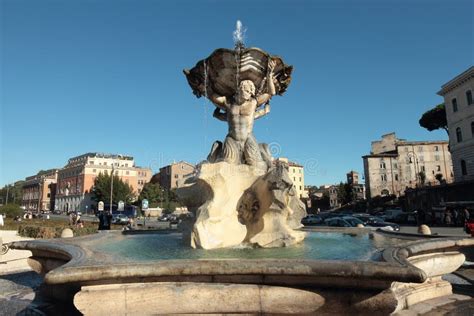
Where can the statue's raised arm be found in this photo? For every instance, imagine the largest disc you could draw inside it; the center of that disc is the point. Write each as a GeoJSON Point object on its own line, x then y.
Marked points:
{"type": "Point", "coordinates": [271, 91]}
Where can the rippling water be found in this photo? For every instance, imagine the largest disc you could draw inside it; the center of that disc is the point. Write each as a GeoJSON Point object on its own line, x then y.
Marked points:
{"type": "Point", "coordinates": [317, 245]}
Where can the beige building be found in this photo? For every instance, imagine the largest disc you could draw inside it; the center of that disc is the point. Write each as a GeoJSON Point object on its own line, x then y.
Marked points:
{"type": "Point", "coordinates": [174, 175]}
{"type": "Point", "coordinates": [358, 189]}
{"type": "Point", "coordinates": [396, 164]}
{"type": "Point", "coordinates": [39, 191]}
{"type": "Point", "coordinates": [76, 179]}
{"type": "Point", "coordinates": [458, 100]}
{"type": "Point", "coordinates": [296, 173]}
{"type": "Point", "coordinates": [333, 197]}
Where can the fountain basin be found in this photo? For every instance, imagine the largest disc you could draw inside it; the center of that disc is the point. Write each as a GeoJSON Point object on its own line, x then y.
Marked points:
{"type": "Point", "coordinates": [376, 281]}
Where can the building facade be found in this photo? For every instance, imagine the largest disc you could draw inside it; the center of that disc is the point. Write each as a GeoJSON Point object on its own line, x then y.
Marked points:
{"type": "Point", "coordinates": [39, 191]}
{"type": "Point", "coordinates": [76, 179]}
{"type": "Point", "coordinates": [396, 164]}
{"type": "Point", "coordinates": [358, 189]}
{"type": "Point", "coordinates": [173, 176]}
{"type": "Point", "coordinates": [296, 173]}
{"type": "Point", "coordinates": [459, 104]}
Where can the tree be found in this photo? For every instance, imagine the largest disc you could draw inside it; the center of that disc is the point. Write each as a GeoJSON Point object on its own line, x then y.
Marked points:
{"type": "Point", "coordinates": [101, 190]}
{"type": "Point", "coordinates": [435, 118]}
{"type": "Point", "coordinates": [344, 193]}
{"type": "Point", "coordinates": [11, 210]}
{"type": "Point", "coordinates": [153, 193]}
{"type": "Point", "coordinates": [15, 193]}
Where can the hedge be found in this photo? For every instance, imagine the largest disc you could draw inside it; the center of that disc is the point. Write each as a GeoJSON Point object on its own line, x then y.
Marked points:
{"type": "Point", "coordinates": [45, 232]}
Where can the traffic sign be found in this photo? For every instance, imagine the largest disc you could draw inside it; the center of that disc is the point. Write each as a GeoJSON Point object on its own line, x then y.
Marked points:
{"type": "Point", "coordinates": [100, 206]}
{"type": "Point", "coordinates": [144, 204]}
{"type": "Point", "coordinates": [121, 206]}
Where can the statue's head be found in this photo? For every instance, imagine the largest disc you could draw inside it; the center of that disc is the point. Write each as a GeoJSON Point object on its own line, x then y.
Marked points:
{"type": "Point", "coordinates": [246, 89]}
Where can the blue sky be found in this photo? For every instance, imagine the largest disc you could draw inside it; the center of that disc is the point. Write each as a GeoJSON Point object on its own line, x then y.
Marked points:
{"type": "Point", "coordinates": [106, 76]}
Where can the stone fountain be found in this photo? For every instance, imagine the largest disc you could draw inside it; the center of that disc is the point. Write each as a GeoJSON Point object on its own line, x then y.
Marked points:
{"type": "Point", "coordinates": [240, 197]}
{"type": "Point", "coordinates": [238, 194]}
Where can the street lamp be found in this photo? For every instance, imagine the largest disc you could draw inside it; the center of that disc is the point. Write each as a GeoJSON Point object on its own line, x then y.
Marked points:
{"type": "Point", "coordinates": [111, 186]}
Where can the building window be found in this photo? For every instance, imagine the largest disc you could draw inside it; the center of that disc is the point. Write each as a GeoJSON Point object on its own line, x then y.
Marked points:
{"type": "Point", "coordinates": [455, 105]}
{"type": "Point", "coordinates": [382, 165]}
{"type": "Point", "coordinates": [463, 168]}
{"type": "Point", "coordinates": [395, 166]}
{"type": "Point", "coordinates": [469, 97]}
{"type": "Point", "coordinates": [436, 158]}
{"type": "Point", "coordinates": [423, 168]}
{"type": "Point", "coordinates": [127, 172]}
{"type": "Point", "coordinates": [105, 164]}
{"type": "Point", "coordinates": [91, 162]}
{"type": "Point", "coordinates": [383, 177]}
{"type": "Point", "coordinates": [438, 168]}
{"type": "Point", "coordinates": [420, 148]}
{"type": "Point", "coordinates": [396, 177]}
{"type": "Point", "coordinates": [422, 158]}
{"type": "Point", "coordinates": [94, 170]}
{"type": "Point", "coordinates": [458, 134]}
{"type": "Point", "coordinates": [472, 129]}
{"type": "Point", "coordinates": [436, 148]}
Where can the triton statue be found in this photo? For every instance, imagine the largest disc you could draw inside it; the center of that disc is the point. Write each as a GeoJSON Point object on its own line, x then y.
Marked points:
{"type": "Point", "coordinates": [238, 195]}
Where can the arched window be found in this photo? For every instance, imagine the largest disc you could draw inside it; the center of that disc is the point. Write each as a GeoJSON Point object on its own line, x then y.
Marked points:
{"type": "Point", "coordinates": [385, 192]}
{"type": "Point", "coordinates": [463, 168]}
{"type": "Point", "coordinates": [469, 97]}
{"type": "Point", "coordinates": [458, 134]}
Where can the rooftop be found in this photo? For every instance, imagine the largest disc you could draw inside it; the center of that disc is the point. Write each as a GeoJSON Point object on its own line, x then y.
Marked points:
{"type": "Point", "coordinates": [457, 81]}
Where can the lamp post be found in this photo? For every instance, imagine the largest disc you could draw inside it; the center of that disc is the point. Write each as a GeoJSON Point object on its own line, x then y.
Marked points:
{"type": "Point", "coordinates": [8, 189]}
{"type": "Point", "coordinates": [412, 156]}
{"type": "Point", "coordinates": [111, 186]}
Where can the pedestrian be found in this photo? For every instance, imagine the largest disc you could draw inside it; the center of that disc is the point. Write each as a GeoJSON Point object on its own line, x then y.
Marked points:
{"type": "Point", "coordinates": [455, 217]}
{"type": "Point", "coordinates": [447, 218]}
{"type": "Point", "coordinates": [467, 215]}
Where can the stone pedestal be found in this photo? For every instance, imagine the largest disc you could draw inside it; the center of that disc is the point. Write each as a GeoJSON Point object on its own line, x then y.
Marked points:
{"type": "Point", "coordinates": [236, 203]}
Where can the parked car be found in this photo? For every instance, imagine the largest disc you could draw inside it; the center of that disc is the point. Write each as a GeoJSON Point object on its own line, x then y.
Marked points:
{"type": "Point", "coordinates": [345, 221]}
{"type": "Point", "coordinates": [311, 219]}
{"type": "Point", "coordinates": [405, 218]}
{"type": "Point", "coordinates": [375, 221]}
{"type": "Point", "coordinates": [391, 214]}
{"type": "Point", "coordinates": [120, 219]}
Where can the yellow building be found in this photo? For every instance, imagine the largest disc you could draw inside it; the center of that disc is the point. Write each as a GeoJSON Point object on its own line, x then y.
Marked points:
{"type": "Point", "coordinates": [296, 173]}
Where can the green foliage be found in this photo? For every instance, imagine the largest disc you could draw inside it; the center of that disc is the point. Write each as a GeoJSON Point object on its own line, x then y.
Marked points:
{"type": "Point", "coordinates": [153, 193]}
{"type": "Point", "coordinates": [435, 118]}
{"type": "Point", "coordinates": [47, 232]}
{"type": "Point", "coordinates": [345, 194]}
{"type": "Point", "coordinates": [11, 210]}
{"type": "Point", "coordinates": [14, 191]}
{"type": "Point", "coordinates": [121, 190]}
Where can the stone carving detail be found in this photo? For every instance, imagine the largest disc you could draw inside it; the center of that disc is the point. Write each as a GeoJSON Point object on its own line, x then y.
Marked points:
{"type": "Point", "coordinates": [270, 209]}
{"type": "Point", "coordinates": [238, 195]}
